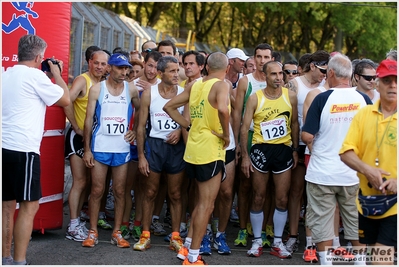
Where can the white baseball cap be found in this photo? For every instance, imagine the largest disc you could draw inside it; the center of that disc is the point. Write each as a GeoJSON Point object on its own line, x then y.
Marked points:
{"type": "Point", "coordinates": [236, 53]}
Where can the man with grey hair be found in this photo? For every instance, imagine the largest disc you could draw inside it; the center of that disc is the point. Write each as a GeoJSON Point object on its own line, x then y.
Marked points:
{"type": "Point", "coordinates": [329, 179]}
{"type": "Point", "coordinates": [208, 101]}
{"type": "Point", "coordinates": [392, 54]}
{"type": "Point", "coordinates": [26, 93]}
{"type": "Point", "coordinates": [163, 140]}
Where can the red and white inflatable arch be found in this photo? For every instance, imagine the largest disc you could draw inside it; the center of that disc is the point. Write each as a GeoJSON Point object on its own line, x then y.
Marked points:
{"type": "Point", "coordinates": [51, 21]}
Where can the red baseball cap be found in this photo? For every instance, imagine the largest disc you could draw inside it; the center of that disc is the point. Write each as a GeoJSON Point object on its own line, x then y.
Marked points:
{"type": "Point", "coordinates": [387, 67]}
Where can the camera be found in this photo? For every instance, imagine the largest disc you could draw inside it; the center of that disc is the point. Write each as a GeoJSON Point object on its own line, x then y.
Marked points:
{"type": "Point", "coordinates": [46, 66]}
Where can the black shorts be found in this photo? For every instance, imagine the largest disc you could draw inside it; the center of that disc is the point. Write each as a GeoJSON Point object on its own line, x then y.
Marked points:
{"type": "Point", "coordinates": [166, 157]}
{"type": "Point", "coordinates": [21, 176]}
{"type": "Point", "coordinates": [73, 144]}
{"type": "Point", "coordinates": [230, 156]}
{"type": "Point", "coordinates": [205, 172]}
{"type": "Point", "coordinates": [383, 231]}
{"type": "Point", "coordinates": [274, 157]}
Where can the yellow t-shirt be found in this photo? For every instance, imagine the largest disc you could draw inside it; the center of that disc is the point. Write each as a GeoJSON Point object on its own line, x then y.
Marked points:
{"type": "Point", "coordinates": [202, 146]}
{"type": "Point", "coordinates": [272, 119]}
{"type": "Point", "coordinates": [80, 104]}
{"type": "Point", "coordinates": [361, 138]}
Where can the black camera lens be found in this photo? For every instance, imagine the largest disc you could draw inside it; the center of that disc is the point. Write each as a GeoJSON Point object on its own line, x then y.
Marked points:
{"type": "Point", "coordinates": [46, 67]}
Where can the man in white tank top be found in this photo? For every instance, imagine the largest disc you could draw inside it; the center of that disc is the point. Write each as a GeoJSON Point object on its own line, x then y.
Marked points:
{"type": "Point", "coordinates": [164, 150]}
{"type": "Point", "coordinates": [107, 144]}
{"type": "Point", "coordinates": [314, 76]}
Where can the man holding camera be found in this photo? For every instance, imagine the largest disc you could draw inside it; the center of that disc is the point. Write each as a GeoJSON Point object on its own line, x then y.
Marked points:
{"type": "Point", "coordinates": [26, 93]}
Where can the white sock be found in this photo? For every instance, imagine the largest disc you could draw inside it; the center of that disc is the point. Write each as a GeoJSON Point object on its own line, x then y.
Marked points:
{"type": "Point", "coordinates": [360, 259]}
{"type": "Point", "coordinates": [74, 223]}
{"type": "Point", "coordinates": [219, 233]}
{"type": "Point", "coordinates": [309, 241]}
{"type": "Point", "coordinates": [256, 221]}
{"type": "Point", "coordinates": [187, 242]}
{"type": "Point", "coordinates": [279, 220]}
{"type": "Point", "coordinates": [324, 258]}
{"type": "Point", "coordinates": [336, 242]}
{"type": "Point", "coordinates": [193, 255]}
{"type": "Point", "coordinates": [209, 229]}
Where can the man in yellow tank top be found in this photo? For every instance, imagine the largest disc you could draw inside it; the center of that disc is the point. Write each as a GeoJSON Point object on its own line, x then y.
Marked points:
{"type": "Point", "coordinates": [208, 101]}
{"type": "Point", "coordinates": [76, 113]}
{"type": "Point", "coordinates": [274, 148]}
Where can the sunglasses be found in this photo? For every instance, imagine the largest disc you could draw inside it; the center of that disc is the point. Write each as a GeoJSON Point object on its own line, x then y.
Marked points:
{"type": "Point", "coordinates": [324, 71]}
{"type": "Point", "coordinates": [368, 77]}
{"type": "Point", "coordinates": [148, 50]}
{"type": "Point", "coordinates": [293, 72]}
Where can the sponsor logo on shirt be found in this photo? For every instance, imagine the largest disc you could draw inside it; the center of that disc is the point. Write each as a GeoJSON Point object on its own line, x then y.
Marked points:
{"type": "Point", "coordinates": [344, 108]}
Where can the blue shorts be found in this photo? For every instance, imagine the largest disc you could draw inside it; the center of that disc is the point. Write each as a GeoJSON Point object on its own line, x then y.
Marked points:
{"type": "Point", "coordinates": [112, 159]}
{"type": "Point", "coordinates": [134, 156]}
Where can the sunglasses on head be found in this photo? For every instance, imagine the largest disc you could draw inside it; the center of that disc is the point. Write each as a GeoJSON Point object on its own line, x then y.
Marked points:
{"type": "Point", "coordinates": [148, 50]}
{"type": "Point", "coordinates": [324, 71]}
{"type": "Point", "coordinates": [293, 72]}
{"type": "Point", "coordinates": [368, 77]}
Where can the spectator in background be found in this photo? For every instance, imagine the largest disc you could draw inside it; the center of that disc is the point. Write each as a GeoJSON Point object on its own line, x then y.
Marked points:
{"type": "Point", "coordinates": [136, 71]}
{"type": "Point", "coordinates": [364, 75]}
{"type": "Point", "coordinates": [26, 91]}
{"type": "Point", "coordinates": [148, 47]}
{"type": "Point", "coordinates": [134, 55]}
{"type": "Point", "coordinates": [290, 69]}
{"type": "Point", "coordinates": [121, 51]}
{"type": "Point", "coordinates": [249, 66]}
{"type": "Point", "coordinates": [302, 62]}
{"type": "Point", "coordinates": [277, 56]}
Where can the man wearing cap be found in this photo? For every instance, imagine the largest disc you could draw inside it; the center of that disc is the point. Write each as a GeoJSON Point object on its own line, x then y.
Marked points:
{"type": "Point", "coordinates": [329, 181]}
{"type": "Point", "coordinates": [107, 144]}
{"type": "Point", "coordinates": [237, 60]}
{"type": "Point", "coordinates": [370, 148]}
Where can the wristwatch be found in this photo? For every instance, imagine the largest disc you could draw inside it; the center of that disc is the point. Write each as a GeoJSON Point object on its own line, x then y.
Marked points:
{"type": "Point", "coordinates": [188, 128]}
{"type": "Point", "coordinates": [295, 149]}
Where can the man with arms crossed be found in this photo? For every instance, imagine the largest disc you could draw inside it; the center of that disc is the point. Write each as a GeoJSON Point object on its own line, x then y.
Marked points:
{"type": "Point", "coordinates": [26, 93]}
{"type": "Point", "coordinates": [208, 101]}
{"type": "Point", "coordinates": [106, 144]}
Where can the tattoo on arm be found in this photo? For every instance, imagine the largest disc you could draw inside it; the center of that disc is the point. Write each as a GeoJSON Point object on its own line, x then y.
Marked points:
{"type": "Point", "coordinates": [291, 86]}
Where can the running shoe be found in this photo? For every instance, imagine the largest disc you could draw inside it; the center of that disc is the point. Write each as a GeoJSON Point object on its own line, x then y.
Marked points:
{"type": "Point", "coordinates": [265, 240]}
{"type": "Point", "coordinates": [125, 232]}
{"type": "Point", "coordinates": [241, 238]}
{"type": "Point", "coordinates": [157, 228]}
{"type": "Point", "coordinates": [269, 231]}
{"type": "Point", "coordinates": [205, 248]}
{"type": "Point", "coordinates": [249, 230]}
{"type": "Point", "coordinates": [103, 223]}
{"type": "Point", "coordinates": [256, 249]}
{"type": "Point", "coordinates": [91, 240]}
{"type": "Point", "coordinates": [309, 255]}
{"type": "Point", "coordinates": [182, 254]}
{"type": "Point", "coordinates": [78, 234]}
{"type": "Point", "coordinates": [215, 225]}
{"type": "Point", "coordinates": [278, 249]}
{"type": "Point", "coordinates": [176, 243]}
{"type": "Point", "coordinates": [144, 243]}
{"type": "Point", "coordinates": [118, 240]}
{"type": "Point", "coordinates": [84, 216]}
{"type": "Point", "coordinates": [167, 238]}
{"type": "Point", "coordinates": [199, 261]}
{"type": "Point", "coordinates": [234, 216]}
{"type": "Point", "coordinates": [221, 245]}
{"type": "Point", "coordinates": [136, 232]}
{"type": "Point", "coordinates": [292, 244]}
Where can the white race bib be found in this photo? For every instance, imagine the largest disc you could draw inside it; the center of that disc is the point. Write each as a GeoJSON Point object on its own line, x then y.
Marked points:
{"type": "Point", "coordinates": [114, 125]}
{"type": "Point", "coordinates": [273, 129]}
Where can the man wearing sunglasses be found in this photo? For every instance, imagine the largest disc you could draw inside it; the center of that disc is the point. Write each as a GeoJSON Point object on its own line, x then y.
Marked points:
{"type": "Point", "coordinates": [147, 47]}
{"type": "Point", "coordinates": [313, 77]}
{"type": "Point", "coordinates": [290, 69]}
{"type": "Point", "coordinates": [364, 75]}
